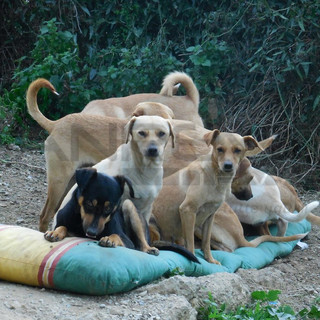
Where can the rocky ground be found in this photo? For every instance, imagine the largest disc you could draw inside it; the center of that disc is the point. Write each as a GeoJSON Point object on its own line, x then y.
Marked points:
{"type": "Point", "coordinates": [22, 195]}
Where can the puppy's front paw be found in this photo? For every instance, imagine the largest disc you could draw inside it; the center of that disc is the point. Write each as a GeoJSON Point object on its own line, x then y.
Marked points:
{"type": "Point", "coordinates": [214, 261]}
{"type": "Point", "coordinates": [56, 235]}
{"type": "Point", "coordinates": [111, 241]}
{"type": "Point", "coordinates": [152, 250]}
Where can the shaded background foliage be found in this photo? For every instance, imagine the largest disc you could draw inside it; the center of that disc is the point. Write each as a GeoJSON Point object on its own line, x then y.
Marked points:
{"type": "Point", "coordinates": [256, 64]}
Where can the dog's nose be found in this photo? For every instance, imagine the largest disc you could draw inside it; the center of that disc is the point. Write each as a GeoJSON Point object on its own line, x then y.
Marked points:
{"type": "Point", "coordinates": [153, 151]}
{"type": "Point", "coordinates": [91, 233]}
{"type": "Point", "coordinates": [228, 166]}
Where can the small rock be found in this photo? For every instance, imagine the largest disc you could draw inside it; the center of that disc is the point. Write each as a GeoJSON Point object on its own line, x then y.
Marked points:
{"type": "Point", "coordinates": [13, 147]}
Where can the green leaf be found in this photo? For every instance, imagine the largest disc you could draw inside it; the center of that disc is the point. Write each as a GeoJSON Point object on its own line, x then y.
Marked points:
{"type": "Point", "coordinates": [301, 25]}
{"type": "Point", "coordinates": [259, 295]}
{"type": "Point", "coordinates": [190, 49]}
{"type": "Point", "coordinates": [256, 65]}
{"type": "Point", "coordinates": [314, 312]}
{"type": "Point", "coordinates": [92, 73]}
{"type": "Point", "coordinates": [44, 29]}
{"type": "Point", "coordinates": [206, 63]}
{"type": "Point", "coordinates": [273, 295]}
{"type": "Point", "coordinates": [316, 102]}
{"type": "Point", "coordinates": [86, 10]}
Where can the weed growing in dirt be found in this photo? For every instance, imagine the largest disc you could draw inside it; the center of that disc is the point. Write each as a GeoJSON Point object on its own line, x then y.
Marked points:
{"type": "Point", "coordinates": [265, 306]}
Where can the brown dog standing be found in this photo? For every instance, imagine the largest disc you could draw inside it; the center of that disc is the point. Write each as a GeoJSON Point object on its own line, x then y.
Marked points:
{"type": "Point", "coordinates": [79, 139]}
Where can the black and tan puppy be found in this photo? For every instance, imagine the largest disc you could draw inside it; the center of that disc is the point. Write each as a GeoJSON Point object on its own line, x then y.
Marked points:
{"type": "Point", "coordinates": [93, 211]}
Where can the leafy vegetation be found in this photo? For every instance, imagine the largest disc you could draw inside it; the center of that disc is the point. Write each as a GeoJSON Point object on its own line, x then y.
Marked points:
{"type": "Point", "coordinates": [255, 63]}
{"type": "Point", "coordinates": [265, 306]}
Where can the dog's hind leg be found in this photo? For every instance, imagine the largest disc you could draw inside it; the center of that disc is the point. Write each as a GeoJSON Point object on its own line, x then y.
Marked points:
{"type": "Point", "coordinates": [134, 223]}
{"type": "Point", "coordinates": [58, 184]}
{"type": "Point", "coordinates": [282, 227]}
{"type": "Point", "coordinates": [54, 198]}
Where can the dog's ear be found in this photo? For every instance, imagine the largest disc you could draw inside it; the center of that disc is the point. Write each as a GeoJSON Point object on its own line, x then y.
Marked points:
{"type": "Point", "coordinates": [83, 176]}
{"type": "Point", "coordinates": [251, 143]}
{"type": "Point", "coordinates": [242, 168]}
{"type": "Point", "coordinates": [122, 180]}
{"type": "Point", "coordinates": [264, 144]}
{"type": "Point", "coordinates": [129, 127]}
{"type": "Point", "coordinates": [171, 133]}
{"type": "Point", "coordinates": [139, 111]}
{"type": "Point", "coordinates": [211, 136]}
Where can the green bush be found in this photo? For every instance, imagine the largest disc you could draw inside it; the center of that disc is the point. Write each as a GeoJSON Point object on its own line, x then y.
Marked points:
{"type": "Point", "coordinates": [265, 305]}
{"type": "Point", "coordinates": [255, 63]}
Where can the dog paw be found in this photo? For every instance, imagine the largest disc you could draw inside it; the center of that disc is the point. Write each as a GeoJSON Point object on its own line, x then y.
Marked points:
{"type": "Point", "coordinates": [52, 236]}
{"type": "Point", "coordinates": [111, 241]}
{"type": "Point", "coordinates": [214, 261]}
{"type": "Point", "coordinates": [56, 235]}
{"type": "Point", "coordinates": [152, 250]}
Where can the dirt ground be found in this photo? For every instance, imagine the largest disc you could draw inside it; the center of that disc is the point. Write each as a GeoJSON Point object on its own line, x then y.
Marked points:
{"type": "Point", "coordinates": [22, 195]}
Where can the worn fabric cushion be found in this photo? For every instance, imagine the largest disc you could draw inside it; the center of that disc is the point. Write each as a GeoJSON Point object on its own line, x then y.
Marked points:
{"type": "Point", "coordinates": [82, 266]}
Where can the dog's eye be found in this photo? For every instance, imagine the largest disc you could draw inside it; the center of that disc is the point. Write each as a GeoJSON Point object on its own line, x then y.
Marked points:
{"type": "Point", "coordinates": [89, 204]}
{"type": "Point", "coordinates": [161, 134]}
{"type": "Point", "coordinates": [220, 150]}
{"type": "Point", "coordinates": [142, 133]}
{"type": "Point", "coordinates": [107, 210]}
{"type": "Point", "coordinates": [237, 150]}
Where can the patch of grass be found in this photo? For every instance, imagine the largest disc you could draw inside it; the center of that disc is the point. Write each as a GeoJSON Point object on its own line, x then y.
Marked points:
{"type": "Point", "coordinates": [265, 306]}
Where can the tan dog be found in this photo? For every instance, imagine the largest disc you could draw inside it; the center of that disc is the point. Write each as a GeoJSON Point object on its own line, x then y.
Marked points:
{"type": "Point", "coordinates": [266, 204]}
{"type": "Point", "coordinates": [79, 140]}
{"type": "Point", "coordinates": [227, 232]}
{"type": "Point", "coordinates": [184, 107]}
{"type": "Point", "coordinates": [190, 197]}
{"type": "Point", "coordinates": [228, 235]}
{"type": "Point", "coordinates": [141, 161]}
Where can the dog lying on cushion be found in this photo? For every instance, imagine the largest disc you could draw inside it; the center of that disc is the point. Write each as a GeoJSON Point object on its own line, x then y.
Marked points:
{"type": "Point", "coordinates": [94, 211]}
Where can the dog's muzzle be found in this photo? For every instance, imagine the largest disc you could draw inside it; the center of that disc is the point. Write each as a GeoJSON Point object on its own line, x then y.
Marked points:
{"type": "Point", "coordinates": [228, 166]}
{"type": "Point", "coordinates": [91, 234]}
{"type": "Point", "coordinates": [152, 151]}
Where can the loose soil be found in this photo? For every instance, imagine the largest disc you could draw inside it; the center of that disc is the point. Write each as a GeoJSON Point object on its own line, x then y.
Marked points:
{"type": "Point", "coordinates": [22, 195]}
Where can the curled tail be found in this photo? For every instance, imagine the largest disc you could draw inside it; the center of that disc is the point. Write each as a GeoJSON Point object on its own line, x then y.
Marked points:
{"type": "Point", "coordinates": [257, 241]}
{"type": "Point", "coordinates": [32, 104]}
{"type": "Point", "coordinates": [288, 216]}
{"type": "Point", "coordinates": [174, 78]}
{"type": "Point", "coordinates": [310, 217]}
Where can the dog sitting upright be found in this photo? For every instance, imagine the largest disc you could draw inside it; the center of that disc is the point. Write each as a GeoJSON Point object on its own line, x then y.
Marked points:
{"type": "Point", "coordinates": [94, 212]}
{"type": "Point", "coordinates": [190, 197]}
{"type": "Point", "coordinates": [140, 160]}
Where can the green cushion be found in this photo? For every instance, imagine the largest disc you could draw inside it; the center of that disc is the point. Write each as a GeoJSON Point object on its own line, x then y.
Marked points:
{"type": "Point", "coordinates": [82, 266]}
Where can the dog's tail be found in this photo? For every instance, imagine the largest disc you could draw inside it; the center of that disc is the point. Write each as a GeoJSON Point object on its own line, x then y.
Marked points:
{"type": "Point", "coordinates": [254, 243]}
{"type": "Point", "coordinates": [165, 245]}
{"type": "Point", "coordinates": [174, 78]}
{"type": "Point", "coordinates": [32, 104]}
{"type": "Point", "coordinates": [312, 218]}
{"type": "Point", "coordinates": [288, 216]}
